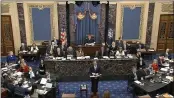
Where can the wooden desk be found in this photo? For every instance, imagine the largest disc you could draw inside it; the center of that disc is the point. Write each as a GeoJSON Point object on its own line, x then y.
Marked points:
{"type": "Point", "coordinates": [89, 50]}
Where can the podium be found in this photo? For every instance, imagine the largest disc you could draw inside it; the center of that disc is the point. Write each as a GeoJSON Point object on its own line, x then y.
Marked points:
{"type": "Point", "coordinates": [94, 82]}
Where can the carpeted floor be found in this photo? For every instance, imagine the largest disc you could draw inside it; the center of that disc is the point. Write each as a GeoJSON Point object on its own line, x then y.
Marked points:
{"type": "Point", "coordinates": [117, 88]}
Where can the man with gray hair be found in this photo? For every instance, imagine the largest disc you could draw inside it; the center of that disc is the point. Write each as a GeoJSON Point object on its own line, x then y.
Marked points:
{"type": "Point", "coordinates": [23, 47]}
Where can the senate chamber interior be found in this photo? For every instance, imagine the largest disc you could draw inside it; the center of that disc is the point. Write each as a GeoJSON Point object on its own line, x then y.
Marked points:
{"type": "Point", "coordinates": [87, 49]}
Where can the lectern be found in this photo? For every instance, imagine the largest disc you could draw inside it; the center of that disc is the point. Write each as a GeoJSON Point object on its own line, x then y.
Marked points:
{"type": "Point", "coordinates": [94, 82]}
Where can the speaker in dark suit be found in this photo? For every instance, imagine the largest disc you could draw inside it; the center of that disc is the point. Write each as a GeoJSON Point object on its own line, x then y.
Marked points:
{"type": "Point", "coordinates": [94, 70]}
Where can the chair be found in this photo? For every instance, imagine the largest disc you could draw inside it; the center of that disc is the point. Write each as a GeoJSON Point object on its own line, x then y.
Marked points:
{"type": "Point", "coordinates": [19, 92]}
{"type": "Point", "coordinates": [83, 88]}
{"type": "Point", "coordinates": [68, 96]}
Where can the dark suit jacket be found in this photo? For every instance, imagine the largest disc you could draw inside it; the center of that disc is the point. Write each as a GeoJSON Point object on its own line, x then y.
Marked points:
{"type": "Point", "coordinates": [138, 64]}
{"type": "Point", "coordinates": [42, 67]}
{"type": "Point", "coordinates": [119, 43]}
{"type": "Point", "coordinates": [142, 73]}
{"type": "Point", "coordinates": [58, 42]}
{"type": "Point", "coordinates": [138, 46]}
{"type": "Point", "coordinates": [92, 70]}
{"type": "Point", "coordinates": [105, 52]}
{"type": "Point", "coordinates": [90, 40]}
{"type": "Point", "coordinates": [23, 48]}
{"type": "Point", "coordinates": [114, 49]}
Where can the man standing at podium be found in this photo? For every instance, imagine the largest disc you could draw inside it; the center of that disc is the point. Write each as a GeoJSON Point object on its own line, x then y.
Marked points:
{"type": "Point", "coordinates": [94, 74]}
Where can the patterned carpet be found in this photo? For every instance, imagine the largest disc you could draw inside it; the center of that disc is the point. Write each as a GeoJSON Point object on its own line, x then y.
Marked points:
{"type": "Point", "coordinates": [117, 89]}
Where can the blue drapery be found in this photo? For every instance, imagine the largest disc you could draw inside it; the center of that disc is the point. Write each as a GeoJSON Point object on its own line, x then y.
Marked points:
{"type": "Point", "coordinates": [87, 25]}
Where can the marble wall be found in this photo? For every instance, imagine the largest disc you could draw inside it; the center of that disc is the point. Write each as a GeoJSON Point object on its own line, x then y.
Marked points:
{"type": "Point", "coordinates": [72, 25]}
{"type": "Point", "coordinates": [61, 17]}
{"type": "Point", "coordinates": [112, 18]}
{"type": "Point", "coordinates": [101, 27]}
{"type": "Point", "coordinates": [149, 23]}
{"type": "Point", "coordinates": [21, 22]}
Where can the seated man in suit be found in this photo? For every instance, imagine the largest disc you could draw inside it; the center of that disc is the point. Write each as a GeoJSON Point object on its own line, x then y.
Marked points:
{"type": "Point", "coordinates": [161, 61]}
{"type": "Point", "coordinates": [70, 51]}
{"type": "Point", "coordinates": [120, 52]}
{"type": "Point", "coordinates": [95, 69]}
{"type": "Point", "coordinates": [23, 48]}
{"type": "Point", "coordinates": [79, 52]}
{"type": "Point", "coordinates": [126, 47]}
{"type": "Point", "coordinates": [139, 46]}
{"type": "Point", "coordinates": [34, 48]}
{"type": "Point", "coordinates": [103, 51]}
{"type": "Point", "coordinates": [140, 63]}
{"type": "Point", "coordinates": [11, 58]}
{"type": "Point", "coordinates": [112, 49]}
{"type": "Point", "coordinates": [167, 55]}
{"type": "Point", "coordinates": [56, 41]}
{"type": "Point", "coordinates": [90, 41]}
{"type": "Point", "coordinates": [119, 43]}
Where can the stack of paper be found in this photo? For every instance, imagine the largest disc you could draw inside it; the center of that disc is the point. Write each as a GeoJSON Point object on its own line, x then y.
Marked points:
{"type": "Point", "coordinates": [43, 81]}
{"type": "Point", "coordinates": [164, 69]}
{"type": "Point", "coordinates": [87, 57]}
{"type": "Point", "coordinates": [138, 82]}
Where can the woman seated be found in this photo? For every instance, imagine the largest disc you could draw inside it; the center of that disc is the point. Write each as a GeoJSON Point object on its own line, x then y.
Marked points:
{"type": "Point", "coordinates": [120, 52]}
{"type": "Point", "coordinates": [23, 66]}
{"type": "Point", "coordinates": [79, 52]}
{"type": "Point", "coordinates": [42, 69]}
{"type": "Point", "coordinates": [34, 48]}
{"type": "Point", "coordinates": [155, 66]}
{"type": "Point", "coordinates": [112, 49]}
{"type": "Point", "coordinates": [11, 58]}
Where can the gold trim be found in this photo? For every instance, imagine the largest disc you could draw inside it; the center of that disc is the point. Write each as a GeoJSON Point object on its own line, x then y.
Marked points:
{"type": "Point", "coordinates": [40, 7]}
{"type": "Point", "coordinates": [132, 7]}
{"type": "Point", "coordinates": [167, 7]}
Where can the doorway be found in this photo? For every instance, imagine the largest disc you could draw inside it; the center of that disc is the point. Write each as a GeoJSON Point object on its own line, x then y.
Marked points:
{"type": "Point", "coordinates": [7, 41]}
{"type": "Point", "coordinates": [166, 33]}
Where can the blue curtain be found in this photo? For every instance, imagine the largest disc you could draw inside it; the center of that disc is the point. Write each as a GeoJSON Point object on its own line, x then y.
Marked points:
{"type": "Point", "coordinates": [87, 25]}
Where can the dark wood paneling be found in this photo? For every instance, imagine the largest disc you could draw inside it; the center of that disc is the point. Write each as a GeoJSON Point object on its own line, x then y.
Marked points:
{"type": "Point", "coordinates": [7, 42]}
{"type": "Point", "coordinates": [166, 33]}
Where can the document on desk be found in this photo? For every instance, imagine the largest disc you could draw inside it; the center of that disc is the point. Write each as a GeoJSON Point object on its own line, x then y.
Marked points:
{"type": "Point", "coordinates": [48, 85]}
{"type": "Point", "coordinates": [164, 69]}
{"type": "Point", "coordinates": [43, 81]}
{"type": "Point", "coordinates": [138, 82]}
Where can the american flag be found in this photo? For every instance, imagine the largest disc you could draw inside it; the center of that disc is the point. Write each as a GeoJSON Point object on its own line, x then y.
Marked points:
{"type": "Point", "coordinates": [63, 35]}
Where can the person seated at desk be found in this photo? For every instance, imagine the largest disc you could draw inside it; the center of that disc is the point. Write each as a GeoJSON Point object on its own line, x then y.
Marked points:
{"type": "Point", "coordinates": [64, 47]}
{"type": "Point", "coordinates": [119, 42]}
{"type": "Point", "coordinates": [140, 73]}
{"type": "Point", "coordinates": [23, 48]}
{"type": "Point", "coordinates": [51, 49]}
{"type": "Point", "coordinates": [103, 51]}
{"type": "Point", "coordinates": [34, 48]}
{"type": "Point", "coordinates": [11, 58]}
{"type": "Point", "coordinates": [167, 55]}
{"type": "Point", "coordinates": [42, 69]}
{"type": "Point", "coordinates": [139, 46]}
{"type": "Point", "coordinates": [56, 41]}
{"type": "Point", "coordinates": [155, 66]}
{"type": "Point", "coordinates": [112, 49]}
{"type": "Point", "coordinates": [23, 67]}
{"type": "Point", "coordinates": [138, 55]}
{"type": "Point", "coordinates": [140, 63]}
{"type": "Point", "coordinates": [79, 52]}
{"type": "Point", "coordinates": [70, 51]}
{"type": "Point", "coordinates": [120, 52]}
{"type": "Point", "coordinates": [90, 41]}
{"type": "Point", "coordinates": [161, 61]}
{"type": "Point", "coordinates": [59, 52]}
{"type": "Point", "coordinates": [126, 47]}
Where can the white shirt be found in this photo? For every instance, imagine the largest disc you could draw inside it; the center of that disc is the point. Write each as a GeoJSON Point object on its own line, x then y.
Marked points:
{"type": "Point", "coordinates": [118, 53]}
{"type": "Point", "coordinates": [95, 67]}
{"type": "Point", "coordinates": [36, 49]}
